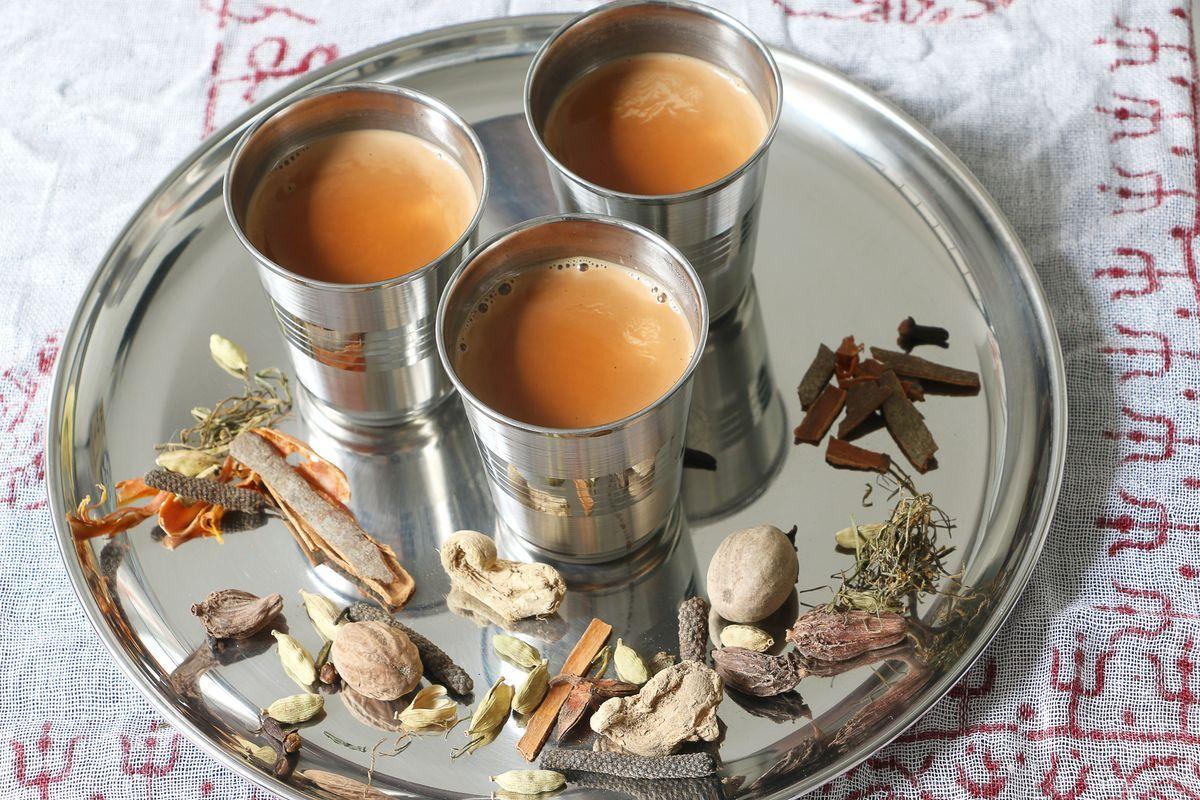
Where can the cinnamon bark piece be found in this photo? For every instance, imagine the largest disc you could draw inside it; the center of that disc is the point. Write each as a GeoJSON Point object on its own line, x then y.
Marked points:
{"type": "Point", "coordinates": [820, 416]}
{"type": "Point", "coordinates": [863, 399]}
{"type": "Point", "coordinates": [541, 722]}
{"type": "Point", "coordinates": [844, 455]}
{"type": "Point", "coordinates": [816, 377]}
{"type": "Point", "coordinates": [907, 426]}
{"type": "Point", "coordinates": [929, 373]}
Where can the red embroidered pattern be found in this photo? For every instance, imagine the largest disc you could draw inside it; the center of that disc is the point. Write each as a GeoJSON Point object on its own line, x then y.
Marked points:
{"type": "Point", "coordinates": [267, 61]}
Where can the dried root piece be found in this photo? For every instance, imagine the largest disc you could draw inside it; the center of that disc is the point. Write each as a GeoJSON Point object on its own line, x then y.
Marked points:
{"type": "Point", "coordinates": [840, 635]}
{"type": "Point", "coordinates": [515, 590]}
{"type": "Point", "coordinates": [677, 705]}
{"type": "Point", "coordinates": [311, 498]}
{"type": "Point", "coordinates": [693, 629]}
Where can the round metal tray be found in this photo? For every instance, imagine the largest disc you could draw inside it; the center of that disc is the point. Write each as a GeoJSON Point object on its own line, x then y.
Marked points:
{"type": "Point", "coordinates": [867, 219]}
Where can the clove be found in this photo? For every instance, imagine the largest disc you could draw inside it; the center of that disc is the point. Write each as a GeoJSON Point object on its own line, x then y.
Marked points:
{"type": "Point", "coordinates": [912, 334]}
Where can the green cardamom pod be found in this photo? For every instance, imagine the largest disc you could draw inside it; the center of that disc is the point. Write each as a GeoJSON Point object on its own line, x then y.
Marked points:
{"type": "Point", "coordinates": [746, 637]}
{"type": "Point", "coordinates": [297, 662]}
{"type": "Point", "coordinates": [529, 781]}
{"type": "Point", "coordinates": [322, 612]}
{"type": "Point", "coordinates": [431, 708]}
{"type": "Point", "coordinates": [188, 463]}
{"type": "Point", "coordinates": [857, 536]}
{"type": "Point", "coordinates": [492, 711]}
{"type": "Point", "coordinates": [296, 708]}
{"type": "Point", "coordinates": [229, 356]}
{"type": "Point", "coordinates": [630, 666]}
{"type": "Point", "coordinates": [533, 689]}
{"type": "Point", "coordinates": [512, 649]}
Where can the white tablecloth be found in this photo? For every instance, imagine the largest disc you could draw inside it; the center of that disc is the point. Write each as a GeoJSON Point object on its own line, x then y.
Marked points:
{"type": "Point", "coordinates": [1080, 116]}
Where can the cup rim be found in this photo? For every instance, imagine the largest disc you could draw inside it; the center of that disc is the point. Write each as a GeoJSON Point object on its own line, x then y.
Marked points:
{"type": "Point", "coordinates": [472, 399]}
{"type": "Point", "coordinates": [700, 191]}
{"type": "Point", "coordinates": [272, 111]}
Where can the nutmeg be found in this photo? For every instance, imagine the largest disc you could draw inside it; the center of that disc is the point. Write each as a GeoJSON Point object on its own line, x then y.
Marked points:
{"type": "Point", "coordinates": [376, 659]}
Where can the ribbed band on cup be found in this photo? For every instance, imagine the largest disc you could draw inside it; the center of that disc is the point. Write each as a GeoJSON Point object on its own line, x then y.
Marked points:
{"type": "Point", "coordinates": [359, 351]}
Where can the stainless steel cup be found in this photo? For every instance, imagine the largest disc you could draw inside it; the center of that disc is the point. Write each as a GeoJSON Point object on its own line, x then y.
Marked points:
{"type": "Point", "coordinates": [364, 352]}
{"type": "Point", "coordinates": [582, 494]}
{"type": "Point", "coordinates": [715, 226]}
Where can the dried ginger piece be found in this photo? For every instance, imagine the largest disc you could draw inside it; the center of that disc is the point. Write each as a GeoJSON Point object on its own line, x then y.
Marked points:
{"type": "Point", "coordinates": [677, 705]}
{"type": "Point", "coordinates": [513, 589]}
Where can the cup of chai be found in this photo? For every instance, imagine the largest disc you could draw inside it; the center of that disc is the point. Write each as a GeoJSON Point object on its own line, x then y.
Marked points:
{"type": "Point", "coordinates": [662, 113]}
{"type": "Point", "coordinates": [572, 340]}
{"type": "Point", "coordinates": [357, 202]}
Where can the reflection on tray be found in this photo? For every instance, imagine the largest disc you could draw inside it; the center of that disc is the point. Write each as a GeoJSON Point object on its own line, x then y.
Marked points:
{"type": "Point", "coordinates": [414, 485]}
{"type": "Point", "coordinates": [737, 416]}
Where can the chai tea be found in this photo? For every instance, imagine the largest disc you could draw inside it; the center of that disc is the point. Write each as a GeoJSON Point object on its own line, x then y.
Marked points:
{"type": "Point", "coordinates": [574, 343]}
{"type": "Point", "coordinates": [361, 206]}
{"type": "Point", "coordinates": [655, 124]}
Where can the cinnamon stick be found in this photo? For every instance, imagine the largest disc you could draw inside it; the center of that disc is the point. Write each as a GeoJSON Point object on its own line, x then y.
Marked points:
{"type": "Point", "coordinates": [909, 366]}
{"type": "Point", "coordinates": [541, 722]}
{"type": "Point", "coordinates": [324, 527]}
{"type": "Point", "coordinates": [843, 455]}
{"type": "Point", "coordinates": [820, 416]}
{"type": "Point", "coordinates": [816, 377]}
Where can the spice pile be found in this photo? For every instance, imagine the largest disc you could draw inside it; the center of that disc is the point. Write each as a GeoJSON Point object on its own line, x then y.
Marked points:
{"type": "Point", "coordinates": [876, 392]}
{"type": "Point", "coordinates": [230, 470]}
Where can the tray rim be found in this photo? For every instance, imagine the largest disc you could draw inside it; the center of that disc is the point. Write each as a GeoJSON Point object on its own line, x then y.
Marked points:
{"type": "Point", "coordinates": [82, 320]}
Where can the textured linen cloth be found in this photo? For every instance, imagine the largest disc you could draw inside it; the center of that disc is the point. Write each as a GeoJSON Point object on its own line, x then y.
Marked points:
{"type": "Point", "coordinates": [1080, 117]}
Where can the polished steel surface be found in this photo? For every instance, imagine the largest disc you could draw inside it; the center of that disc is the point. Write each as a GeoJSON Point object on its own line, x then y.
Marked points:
{"type": "Point", "coordinates": [365, 351]}
{"type": "Point", "coordinates": [866, 219]}
{"type": "Point", "coordinates": [716, 226]}
{"type": "Point", "coordinates": [585, 494]}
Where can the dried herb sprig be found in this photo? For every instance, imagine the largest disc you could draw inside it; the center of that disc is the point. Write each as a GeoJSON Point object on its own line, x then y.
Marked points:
{"type": "Point", "coordinates": [264, 401]}
{"type": "Point", "coordinates": [902, 558]}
